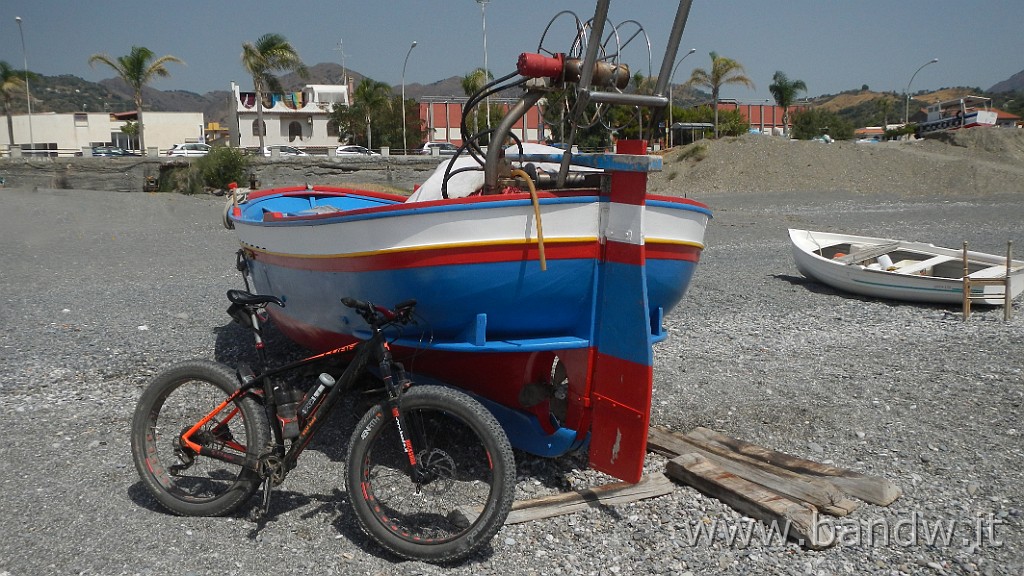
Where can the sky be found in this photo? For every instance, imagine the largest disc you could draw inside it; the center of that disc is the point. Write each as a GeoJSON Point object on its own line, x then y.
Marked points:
{"type": "Point", "coordinates": [832, 45]}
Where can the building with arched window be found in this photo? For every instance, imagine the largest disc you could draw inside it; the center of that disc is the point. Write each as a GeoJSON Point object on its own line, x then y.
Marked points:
{"type": "Point", "coordinates": [300, 119]}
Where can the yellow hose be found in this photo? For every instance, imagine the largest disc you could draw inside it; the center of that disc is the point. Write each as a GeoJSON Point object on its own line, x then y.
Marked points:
{"type": "Point", "coordinates": [536, 212]}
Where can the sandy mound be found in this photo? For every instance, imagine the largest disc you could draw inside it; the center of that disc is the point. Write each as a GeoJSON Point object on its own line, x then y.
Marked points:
{"type": "Point", "coordinates": [979, 161]}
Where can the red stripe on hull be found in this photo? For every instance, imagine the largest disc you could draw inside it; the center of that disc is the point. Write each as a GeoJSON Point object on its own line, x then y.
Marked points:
{"type": "Point", "coordinates": [455, 255]}
{"type": "Point", "coordinates": [658, 251]}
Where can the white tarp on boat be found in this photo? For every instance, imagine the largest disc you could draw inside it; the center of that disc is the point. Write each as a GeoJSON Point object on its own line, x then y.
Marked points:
{"type": "Point", "coordinates": [465, 183]}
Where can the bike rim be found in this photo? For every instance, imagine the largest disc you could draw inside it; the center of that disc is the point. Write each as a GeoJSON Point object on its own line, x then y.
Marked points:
{"type": "Point", "coordinates": [187, 476]}
{"type": "Point", "coordinates": [460, 485]}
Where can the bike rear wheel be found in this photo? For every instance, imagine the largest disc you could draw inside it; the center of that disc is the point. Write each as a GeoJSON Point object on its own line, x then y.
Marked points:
{"type": "Point", "coordinates": [181, 480]}
{"type": "Point", "coordinates": [471, 476]}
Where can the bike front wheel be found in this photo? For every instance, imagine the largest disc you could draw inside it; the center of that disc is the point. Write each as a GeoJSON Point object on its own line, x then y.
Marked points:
{"type": "Point", "coordinates": [465, 493]}
{"type": "Point", "coordinates": [181, 480]}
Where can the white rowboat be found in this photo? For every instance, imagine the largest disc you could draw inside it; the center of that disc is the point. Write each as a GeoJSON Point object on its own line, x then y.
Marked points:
{"type": "Point", "coordinates": [901, 270]}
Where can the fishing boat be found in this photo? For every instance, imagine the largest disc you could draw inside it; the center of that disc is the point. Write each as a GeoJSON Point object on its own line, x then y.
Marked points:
{"type": "Point", "coordinates": [901, 270]}
{"type": "Point", "coordinates": [542, 277]}
{"type": "Point", "coordinates": [965, 112]}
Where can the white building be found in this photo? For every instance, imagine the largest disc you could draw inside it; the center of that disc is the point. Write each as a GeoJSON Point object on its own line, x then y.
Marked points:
{"type": "Point", "coordinates": [299, 119]}
{"type": "Point", "coordinates": [69, 134]}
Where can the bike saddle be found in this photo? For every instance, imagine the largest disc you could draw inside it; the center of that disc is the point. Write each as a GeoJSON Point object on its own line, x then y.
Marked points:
{"type": "Point", "coordinates": [243, 298]}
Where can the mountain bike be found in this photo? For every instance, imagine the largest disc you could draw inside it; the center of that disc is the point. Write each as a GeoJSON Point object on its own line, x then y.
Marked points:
{"type": "Point", "coordinates": [205, 437]}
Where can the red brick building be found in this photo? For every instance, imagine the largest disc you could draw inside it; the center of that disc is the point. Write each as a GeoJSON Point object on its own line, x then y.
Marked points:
{"type": "Point", "coordinates": [442, 119]}
{"type": "Point", "coordinates": [763, 116]}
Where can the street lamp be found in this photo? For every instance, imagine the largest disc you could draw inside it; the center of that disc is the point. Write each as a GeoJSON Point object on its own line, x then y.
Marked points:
{"type": "Point", "coordinates": [906, 108]}
{"type": "Point", "coordinates": [483, 17]}
{"type": "Point", "coordinates": [670, 77]}
{"type": "Point", "coordinates": [340, 48]}
{"type": "Point", "coordinates": [28, 95]}
{"type": "Point", "coordinates": [405, 146]}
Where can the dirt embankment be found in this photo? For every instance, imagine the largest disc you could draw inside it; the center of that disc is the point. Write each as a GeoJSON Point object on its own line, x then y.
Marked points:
{"type": "Point", "coordinates": [978, 161]}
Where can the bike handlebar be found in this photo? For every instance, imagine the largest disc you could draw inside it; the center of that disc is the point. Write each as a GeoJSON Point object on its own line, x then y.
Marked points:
{"type": "Point", "coordinates": [379, 315]}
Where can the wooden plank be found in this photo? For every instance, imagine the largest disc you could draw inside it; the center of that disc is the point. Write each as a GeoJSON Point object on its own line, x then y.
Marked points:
{"type": "Point", "coordinates": [873, 489]}
{"type": "Point", "coordinates": [818, 492]}
{"type": "Point", "coordinates": [795, 520]}
{"type": "Point", "coordinates": [650, 486]}
{"type": "Point", "coordinates": [868, 253]}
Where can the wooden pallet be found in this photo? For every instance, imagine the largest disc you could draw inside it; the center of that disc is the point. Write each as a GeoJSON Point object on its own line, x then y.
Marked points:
{"type": "Point", "coordinates": [763, 484]}
{"type": "Point", "coordinates": [769, 486]}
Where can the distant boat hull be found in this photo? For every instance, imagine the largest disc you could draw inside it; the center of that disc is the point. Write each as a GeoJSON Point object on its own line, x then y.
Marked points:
{"type": "Point", "coordinates": [900, 270]}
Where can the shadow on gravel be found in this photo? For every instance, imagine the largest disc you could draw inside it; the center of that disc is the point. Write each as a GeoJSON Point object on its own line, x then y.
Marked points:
{"type": "Point", "coordinates": [811, 285]}
{"type": "Point", "coordinates": [818, 288]}
{"type": "Point", "coordinates": [138, 494]}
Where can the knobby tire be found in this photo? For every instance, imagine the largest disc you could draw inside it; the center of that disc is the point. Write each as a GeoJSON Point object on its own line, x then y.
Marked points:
{"type": "Point", "coordinates": [471, 465]}
{"type": "Point", "coordinates": [184, 483]}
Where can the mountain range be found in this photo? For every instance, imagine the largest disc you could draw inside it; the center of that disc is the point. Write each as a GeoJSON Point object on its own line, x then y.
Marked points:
{"type": "Point", "coordinates": [67, 93]}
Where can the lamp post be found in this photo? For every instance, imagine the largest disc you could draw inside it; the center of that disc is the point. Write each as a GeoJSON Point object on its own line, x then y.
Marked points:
{"type": "Point", "coordinates": [670, 77]}
{"type": "Point", "coordinates": [405, 146]}
{"type": "Point", "coordinates": [483, 18]}
{"type": "Point", "coordinates": [344, 73]}
{"type": "Point", "coordinates": [906, 108]}
{"type": "Point", "coordinates": [28, 95]}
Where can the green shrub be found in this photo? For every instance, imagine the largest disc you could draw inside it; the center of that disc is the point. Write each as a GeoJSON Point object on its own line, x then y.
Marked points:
{"type": "Point", "coordinates": [696, 152]}
{"type": "Point", "coordinates": [814, 122]}
{"type": "Point", "coordinates": [184, 180]}
{"type": "Point", "coordinates": [222, 166]}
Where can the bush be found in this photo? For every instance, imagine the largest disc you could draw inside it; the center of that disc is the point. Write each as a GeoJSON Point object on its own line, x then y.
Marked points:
{"type": "Point", "coordinates": [811, 123]}
{"type": "Point", "coordinates": [222, 166]}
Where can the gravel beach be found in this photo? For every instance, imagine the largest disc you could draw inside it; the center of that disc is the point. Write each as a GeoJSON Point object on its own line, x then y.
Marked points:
{"type": "Point", "coordinates": [100, 290]}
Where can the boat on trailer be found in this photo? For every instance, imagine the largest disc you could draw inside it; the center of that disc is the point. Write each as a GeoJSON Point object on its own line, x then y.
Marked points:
{"type": "Point", "coordinates": [542, 291]}
{"type": "Point", "coordinates": [965, 112]}
{"type": "Point", "coordinates": [901, 270]}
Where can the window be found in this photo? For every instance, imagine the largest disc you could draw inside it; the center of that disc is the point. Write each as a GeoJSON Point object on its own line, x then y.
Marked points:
{"type": "Point", "coordinates": [256, 129]}
{"type": "Point", "coordinates": [81, 119]}
{"type": "Point", "coordinates": [332, 128]}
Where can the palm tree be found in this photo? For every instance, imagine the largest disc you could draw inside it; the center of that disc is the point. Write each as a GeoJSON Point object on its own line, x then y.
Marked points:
{"type": "Point", "coordinates": [723, 71]}
{"type": "Point", "coordinates": [11, 82]}
{"type": "Point", "coordinates": [137, 69]}
{"type": "Point", "coordinates": [471, 84]}
{"type": "Point", "coordinates": [372, 96]}
{"type": "Point", "coordinates": [885, 106]}
{"type": "Point", "coordinates": [270, 53]}
{"type": "Point", "coordinates": [784, 91]}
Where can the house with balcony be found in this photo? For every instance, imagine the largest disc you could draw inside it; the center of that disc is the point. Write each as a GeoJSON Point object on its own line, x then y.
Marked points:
{"type": "Point", "coordinates": [300, 119]}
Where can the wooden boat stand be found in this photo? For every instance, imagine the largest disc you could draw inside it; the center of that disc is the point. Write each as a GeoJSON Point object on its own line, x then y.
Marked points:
{"type": "Point", "coordinates": [1003, 281]}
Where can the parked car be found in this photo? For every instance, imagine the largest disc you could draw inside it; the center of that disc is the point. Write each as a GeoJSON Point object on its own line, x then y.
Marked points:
{"type": "Point", "coordinates": [443, 148]}
{"type": "Point", "coordinates": [283, 151]}
{"type": "Point", "coordinates": [189, 149]}
{"type": "Point", "coordinates": [352, 149]}
{"type": "Point", "coordinates": [111, 151]}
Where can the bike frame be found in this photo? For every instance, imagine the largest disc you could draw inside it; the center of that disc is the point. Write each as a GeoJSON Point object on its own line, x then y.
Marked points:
{"type": "Point", "coordinates": [261, 387]}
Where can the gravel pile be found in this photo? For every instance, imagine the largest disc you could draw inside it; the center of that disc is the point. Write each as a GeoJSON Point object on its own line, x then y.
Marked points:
{"type": "Point", "coordinates": [100, 290]}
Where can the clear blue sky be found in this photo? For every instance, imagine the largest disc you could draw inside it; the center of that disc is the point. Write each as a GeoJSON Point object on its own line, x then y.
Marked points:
{"type": "Point", "coordinates": [832, 45]}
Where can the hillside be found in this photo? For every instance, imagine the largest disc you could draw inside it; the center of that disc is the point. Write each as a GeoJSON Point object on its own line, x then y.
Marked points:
{"type": "Point", "coordinates": [1012, 84]}
{"type": "Point", "coordinates": [68, 93]}
{"type": "Point", "coordinates": [848, 100]}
